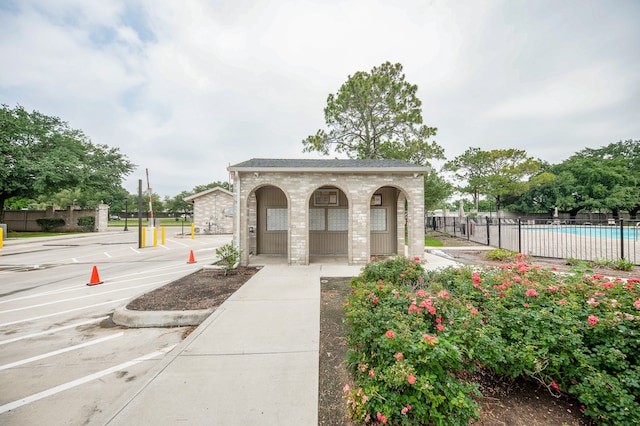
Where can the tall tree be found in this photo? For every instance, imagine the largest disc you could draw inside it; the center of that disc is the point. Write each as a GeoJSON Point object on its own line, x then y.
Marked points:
{"type": "Point", "coordinates": [496, 173]}
{"type": "Point", "coordinates": [509, 171]}
{"type": "Point", "coordinates": [42, 155]}
{"type": "Point", "coordinates": [376, 115]}
{"type": "Point", "coordinates": [469, 169]}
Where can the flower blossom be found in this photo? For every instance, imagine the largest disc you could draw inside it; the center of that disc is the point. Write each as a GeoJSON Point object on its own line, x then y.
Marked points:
{"type": "Point", "coordinates": [372, 373]}
{"type": "Point", "coordinates": [406, 409]}
{"type": "Point", "coordinates": [555, 385]}
{"type": "Point", "coordinates": [444, 294]}
{"type": "Point", "coordinates": [390, 334]}
{"type": "Point", "coordinates": [411, 379]}
{"type": "Point", "coordinates": [637, 304]}
{"type": "Point", "coordinates": [399, 356]}
{"type": "Point", "coordinates": [531, 293]}
{"type": "Point", "coordinates": [474, 311]}
{"type": "Point", "coordinates": [431, 339]}
{"type": "Point", "coordinates": [381, 418]}
{"type": "Point", "coordinates": [414, 308]}
{"type": "Point", "coordinates": [593, 320]}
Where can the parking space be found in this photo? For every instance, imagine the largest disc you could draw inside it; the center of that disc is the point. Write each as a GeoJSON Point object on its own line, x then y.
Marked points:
{"type": "Point", "coordinates": [61, 358]}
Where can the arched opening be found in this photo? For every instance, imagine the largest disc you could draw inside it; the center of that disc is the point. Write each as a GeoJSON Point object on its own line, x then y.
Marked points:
{"type": "Point", "coordinates": [387, 221]}
{"type": "Point", "coordinates": [268, 221]}
{"type": "Point", "coordinates": [328, 222]}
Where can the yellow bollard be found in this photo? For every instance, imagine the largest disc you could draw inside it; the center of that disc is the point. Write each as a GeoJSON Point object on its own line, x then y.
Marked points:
{"type": "Point", "coordinates": [193, 230]}
{"type": "Point", "coordinates": [162, 235]}
{"type": "Point", "coordinates": [155, 237]}
{"type": "Point", "coordinates": [1, 237]}
{"type": "Point", "coordinates": [144, 238]}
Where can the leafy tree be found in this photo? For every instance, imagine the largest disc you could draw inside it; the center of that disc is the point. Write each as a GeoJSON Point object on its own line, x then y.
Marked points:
{"type": "Point", "coordinates": [376, 115]}
{"type": "Point", "coordinates": [42, 155]}
{"type": "Point", "coordinates": [603, 179]}
{"type": "Point", "coordinates": [619, 185]}
{"type": "Point", "coordinates": [177, 203]}
{"type": "Point", "coordinates": [509, 171]}
{"type": "Point", "coordinates": [469, 169]}
{"type": "Point", "coordinates": [497, 173]}
{"type": "Point", "coordinates": [436, 190]}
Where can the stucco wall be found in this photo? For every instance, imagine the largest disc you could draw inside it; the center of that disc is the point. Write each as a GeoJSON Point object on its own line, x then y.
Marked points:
{"type": "Point", "coordinates": [358, 188]}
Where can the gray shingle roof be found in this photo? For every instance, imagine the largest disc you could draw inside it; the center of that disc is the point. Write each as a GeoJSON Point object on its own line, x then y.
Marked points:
{"type": "Point", "coordinates": [343, 165]}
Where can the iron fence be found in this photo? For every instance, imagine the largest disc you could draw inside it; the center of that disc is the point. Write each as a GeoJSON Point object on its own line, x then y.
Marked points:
{"type": "Point", "coordinates": [593, 240]}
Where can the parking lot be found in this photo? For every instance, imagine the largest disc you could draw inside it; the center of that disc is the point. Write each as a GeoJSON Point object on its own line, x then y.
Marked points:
{"type": "Point", "coordinates": [61, 358]}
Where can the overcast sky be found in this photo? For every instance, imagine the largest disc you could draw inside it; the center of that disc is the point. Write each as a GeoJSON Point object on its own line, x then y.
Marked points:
{"type": "Point", "coordinates": [185, 88]}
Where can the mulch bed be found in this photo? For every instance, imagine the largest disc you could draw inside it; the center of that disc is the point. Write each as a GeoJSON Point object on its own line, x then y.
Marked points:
{"type": "Point", "coordinates": [203, 289]}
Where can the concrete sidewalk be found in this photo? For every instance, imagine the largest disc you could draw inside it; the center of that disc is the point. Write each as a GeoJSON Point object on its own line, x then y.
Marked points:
{"type": "Point", "coordinates": [254, 361]}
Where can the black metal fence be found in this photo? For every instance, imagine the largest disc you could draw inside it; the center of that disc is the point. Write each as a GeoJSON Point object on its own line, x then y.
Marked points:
{"type": "Point", "coordinates": [593, 240]}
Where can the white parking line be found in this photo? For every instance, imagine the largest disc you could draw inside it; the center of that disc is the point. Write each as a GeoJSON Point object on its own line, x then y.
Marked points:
{"type": "Point", "coordinates": [179, 243]}
{"type": "Point", "coordinates": [61, 388]}
{"type": "Point", "coordinates": [139, 276]}
{"type": "Point", "coordinates": [70, 299]}
{"type": "Point", "coordinates": [64, 312]}
{"type": "Point", "coordinates": [60, 351]}
{"type": "Point", "coordinates": [52, 331]}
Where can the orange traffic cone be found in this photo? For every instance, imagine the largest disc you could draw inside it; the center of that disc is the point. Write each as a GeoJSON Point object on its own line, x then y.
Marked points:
{"type": "Point", "coordinates": [95, 278]}
{"type": "Point", "coordinates": [191, 258]}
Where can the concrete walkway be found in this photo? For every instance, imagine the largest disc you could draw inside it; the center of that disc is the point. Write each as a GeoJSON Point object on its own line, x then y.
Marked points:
{"type": "Point", "coordinates": [254, 361]}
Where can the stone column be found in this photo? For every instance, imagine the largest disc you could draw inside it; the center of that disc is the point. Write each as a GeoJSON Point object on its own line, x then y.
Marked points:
{"type": "Point", "coordinates": [102, 217]}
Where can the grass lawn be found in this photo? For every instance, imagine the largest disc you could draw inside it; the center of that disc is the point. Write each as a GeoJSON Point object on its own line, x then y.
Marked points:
{"type": "Point", "coordinates": [17, 234]}
{"type": "Point", "coordinates": [432, 242]}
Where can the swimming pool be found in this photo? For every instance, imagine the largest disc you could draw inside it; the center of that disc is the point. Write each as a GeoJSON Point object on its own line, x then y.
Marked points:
{"type": "Point", "coordinates": [628, 233]}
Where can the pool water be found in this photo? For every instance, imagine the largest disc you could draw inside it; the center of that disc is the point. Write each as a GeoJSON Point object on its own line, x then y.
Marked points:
{"type": "Point", "coordinates": [628, 233]}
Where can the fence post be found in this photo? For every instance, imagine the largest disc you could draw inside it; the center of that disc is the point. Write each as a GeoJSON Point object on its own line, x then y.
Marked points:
{"type": "Point", "coordinates": [622, 238]}
{"type": "Point", "coordinates": [467, 229]}
{"type": "Point", "coordinates": [499, 232]}
{"type": "Point", "coordinates": [519, 235]}
{"type": "Point", "coordinates": [486, 218]}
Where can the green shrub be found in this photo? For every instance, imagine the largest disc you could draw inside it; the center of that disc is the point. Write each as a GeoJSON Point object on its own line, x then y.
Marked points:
{"type": "Point", "coordinates": [622, 265]}
{"type": "Point", "coordinates": [229, 257]}
{"type": "Point", "coordinates": [87, 223]}
{"type": "Point", "coordinates": [577, 334]}
{"type": "Point", "coordinates": [395, 270]}
{"type": "Point", "coordinates": [501, 255]}
{"type": "Point", "coordinates": [48, 224]}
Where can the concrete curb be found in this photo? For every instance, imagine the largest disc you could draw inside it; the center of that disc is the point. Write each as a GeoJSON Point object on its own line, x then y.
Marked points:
{"type": "Point", "coordinates": [140, 319]}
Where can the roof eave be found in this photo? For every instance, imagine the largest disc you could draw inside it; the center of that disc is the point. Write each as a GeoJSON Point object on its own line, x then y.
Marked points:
{"type": "Point", "coordinates": [407, 170]}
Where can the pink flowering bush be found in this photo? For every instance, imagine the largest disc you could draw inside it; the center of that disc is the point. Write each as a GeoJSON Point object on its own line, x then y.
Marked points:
{"type": "Point", "coordinates": [576, 334]}
{"type": "Point", "coordinates": [396, 270]}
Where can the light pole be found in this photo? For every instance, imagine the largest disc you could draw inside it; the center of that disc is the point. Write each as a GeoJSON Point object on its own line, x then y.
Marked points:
{"type": "Point", "coordinates": [126, 212]}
